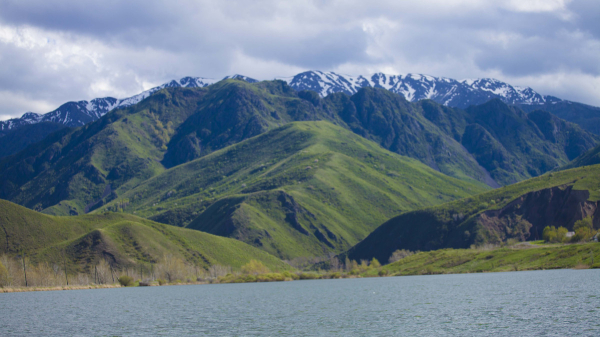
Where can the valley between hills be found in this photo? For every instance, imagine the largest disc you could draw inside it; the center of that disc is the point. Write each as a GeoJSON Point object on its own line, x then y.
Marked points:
{"type": "Point", "coordinates": [243, 181]}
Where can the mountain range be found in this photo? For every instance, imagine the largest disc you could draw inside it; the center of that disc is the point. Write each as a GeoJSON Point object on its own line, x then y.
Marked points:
{"type": "Point", "coordinates": [297, 170]}
{"type": "Point", "coordinates": [413, 87]}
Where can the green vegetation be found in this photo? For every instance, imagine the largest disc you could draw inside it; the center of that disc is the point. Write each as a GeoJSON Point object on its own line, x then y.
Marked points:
{"type": "Point", "coordinates": [585, 116]}
{"type": "Point", "coordinates": [553, 235]}
{"type": "Point", "coordinates": [304, 189]}
{"type": "Point", "coordinates": [293, 174]}
{"type": "Point", "coordinates": [523, 256]}
{"type": "Point", "coordinates": [584, 231]}
{"type": "Point", "coordinates": [126, 281]}
{"type": "Point", "coordinates": [74, 171]}
{"type": "Point", "coordinates": [4, 277]}
{"type": "Point", "coordinates": [454, 261]}
{"type": "Point", "coordinates": [517, 212]}
{"type": "Point", "coordinates": [125, 241]}
{"type": "Point", "coordinates": [255, 267]}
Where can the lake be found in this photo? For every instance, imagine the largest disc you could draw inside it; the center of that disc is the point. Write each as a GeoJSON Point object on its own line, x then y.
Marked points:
{"type": "Point", "coordinates": [550, 303]}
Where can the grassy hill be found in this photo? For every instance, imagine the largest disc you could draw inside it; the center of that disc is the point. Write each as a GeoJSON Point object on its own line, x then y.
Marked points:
{"type": "Point", "coordinates": [121, 239]}
{"type": "Point", "coordinates": [518, 212]}
{"type": "Point", "coordinates": [304, 189]}
{"type": "Point", "coordinates": [456, 261]}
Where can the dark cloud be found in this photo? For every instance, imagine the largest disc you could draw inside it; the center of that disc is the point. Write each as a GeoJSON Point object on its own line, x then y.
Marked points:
{"type": "Point", "coordinates": [89, 17]}
{"type": "Point", "coordinates": [52, 51]}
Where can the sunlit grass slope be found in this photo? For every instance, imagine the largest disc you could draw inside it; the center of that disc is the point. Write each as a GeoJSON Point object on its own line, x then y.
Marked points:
{"type": "Point", "coordinates": [304, 189]}
{"type": "Point", "coordinates": [121, 239]}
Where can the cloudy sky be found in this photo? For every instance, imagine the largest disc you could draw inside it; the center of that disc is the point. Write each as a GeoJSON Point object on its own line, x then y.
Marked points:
{"type": "Point", "coordinates": [55, 51]}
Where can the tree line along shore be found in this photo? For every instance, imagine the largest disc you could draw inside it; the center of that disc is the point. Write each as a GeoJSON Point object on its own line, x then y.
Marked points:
{"type": "Point", "coordinates": [18, 275]}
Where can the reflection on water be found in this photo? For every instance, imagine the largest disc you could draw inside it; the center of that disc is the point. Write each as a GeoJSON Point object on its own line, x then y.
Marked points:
{"type": "Point", "coordinates": [550, 303]}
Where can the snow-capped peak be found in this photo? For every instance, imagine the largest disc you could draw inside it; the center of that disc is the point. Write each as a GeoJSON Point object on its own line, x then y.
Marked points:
{"type": "Point", "coordinates": [413, 87]}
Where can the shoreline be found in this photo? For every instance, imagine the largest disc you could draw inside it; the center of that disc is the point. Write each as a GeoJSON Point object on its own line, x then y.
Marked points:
{"type": "Point", "coordinates": [113, 286]}
{"type": "Point", "coordinates": [57, 288]}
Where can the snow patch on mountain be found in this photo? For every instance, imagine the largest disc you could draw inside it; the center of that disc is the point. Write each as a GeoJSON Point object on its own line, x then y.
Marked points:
{"type": "Point", "coordinates": [416, 87]}
{"type": "Point", "coordinates": [76, 114]}
{"type": "Point", "coordinates": [413, 87]}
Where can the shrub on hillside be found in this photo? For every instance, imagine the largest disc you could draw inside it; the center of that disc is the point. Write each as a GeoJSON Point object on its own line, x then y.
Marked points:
{"type": "Point", "coordinates": [583, 223]}
{"type": "Point", "coordinates": [582, 234]}
{"type": "Point", "coordinates": [399, 255]}
{"type": "Point", "coordinates": [549, 234]}
{"type": "Point", "coordinates": [374, 263]}
{"type": "Point", "coordinates": [561, 234]}
{"type": "Point", "coordinates": [126, 281]}
{"type": "Point", "coordinates": [553, 234]}
{"type": "Point", "coordinates": [255, 267]}
{"type": "Point", "coordinates": [3, 275]}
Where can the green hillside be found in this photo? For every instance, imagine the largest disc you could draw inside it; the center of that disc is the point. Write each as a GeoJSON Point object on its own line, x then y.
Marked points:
{"type": "Point", "coordinates": [518, 212]}
{"type": "Point", "coordinates": [303, 189]}
{"type": "Point", "coordinates": [122, 239]}
{"type": "Point", "coordinates": [74, 171]}
{"type": "Point", "coordinates": [524, 257]}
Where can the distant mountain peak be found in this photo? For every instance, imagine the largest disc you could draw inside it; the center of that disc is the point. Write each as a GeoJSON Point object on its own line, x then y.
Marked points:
{"type": "Point", "coordinates": [414, 87]}
{"type": "Point", "coordinates": [241, 78]}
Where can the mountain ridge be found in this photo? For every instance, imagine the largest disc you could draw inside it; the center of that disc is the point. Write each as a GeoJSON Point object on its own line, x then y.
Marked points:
{"type": "Point", "coordinates": [414, 87]}
{"type": "Point", "coordinates": [177, 125]}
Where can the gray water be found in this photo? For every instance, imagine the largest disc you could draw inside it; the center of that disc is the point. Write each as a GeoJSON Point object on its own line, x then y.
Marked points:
{"type": "Point", "coordinates": [549, 303]}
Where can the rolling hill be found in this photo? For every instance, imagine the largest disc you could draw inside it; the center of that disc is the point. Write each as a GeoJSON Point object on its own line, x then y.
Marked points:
{"type": "Point", "coordinates": [121, 239]}
{"type": "Point", "coordinates": [519, 212]}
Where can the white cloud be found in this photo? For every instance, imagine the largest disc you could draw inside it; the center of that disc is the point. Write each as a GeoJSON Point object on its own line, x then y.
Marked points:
{"type": "Point", "coordinates": [538, 6]}
{"type": "Point", "coordinates": [52, 52]}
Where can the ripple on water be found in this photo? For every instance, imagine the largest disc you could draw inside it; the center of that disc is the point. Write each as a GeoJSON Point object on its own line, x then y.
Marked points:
{"type": "Point", "coordinates": [552, 303]}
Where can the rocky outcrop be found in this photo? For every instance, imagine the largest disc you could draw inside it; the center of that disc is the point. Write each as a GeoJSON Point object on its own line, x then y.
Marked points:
{"type": "Point", "coordinates": [525, 217]}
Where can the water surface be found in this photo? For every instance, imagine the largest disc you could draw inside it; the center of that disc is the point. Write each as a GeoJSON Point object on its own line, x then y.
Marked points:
{"type": "Point", "coordinates": [549, 303]}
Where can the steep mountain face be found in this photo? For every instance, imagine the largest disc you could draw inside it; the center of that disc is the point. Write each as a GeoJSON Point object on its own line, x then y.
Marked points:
{"type": "Point", "coordinates": [79, 166]}
{"type": "Point", "coordinates": [415, 87]}
{"type": "Point", "coordinates": [18, 139]}
{"type": "Point", "coordinates": [402, 127]}
{"type": "Point", "coordinates": [303, 189]}
{"type": "Point", "coordinates": [232, 113]}
{"type": "Point", "coordinates": [519, 212]}
{"type": "Point", "coordinates": [514, 146]}
{"type": "Point", "coordinates": [586, 116]}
